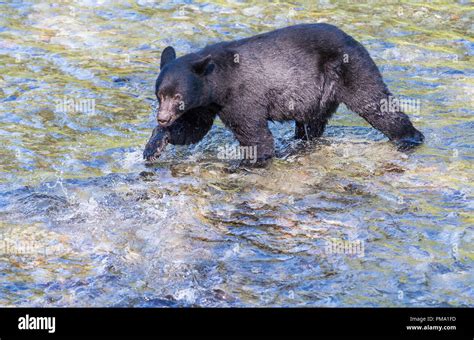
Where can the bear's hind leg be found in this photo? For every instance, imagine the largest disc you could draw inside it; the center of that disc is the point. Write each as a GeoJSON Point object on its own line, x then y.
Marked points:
{"type": "Point", "coordinates": [375, 108]}
{"type": "Point", "coordinates": [314, 127]}
{"type": "Point", "coordinates": [309, 131]}
{"type": "Point", "coordinates": [365, 93]}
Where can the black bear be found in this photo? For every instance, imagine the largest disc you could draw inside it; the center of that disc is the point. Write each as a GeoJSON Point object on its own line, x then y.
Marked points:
{"type": "Point", "coordinates": [299, 73]}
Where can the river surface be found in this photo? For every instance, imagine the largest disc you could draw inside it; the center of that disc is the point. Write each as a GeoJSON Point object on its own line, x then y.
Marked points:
{"type": "Point", "coordinates": [84, 222]}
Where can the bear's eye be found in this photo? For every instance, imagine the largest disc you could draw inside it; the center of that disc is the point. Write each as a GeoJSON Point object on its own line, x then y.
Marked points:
{"type": "Point", "coordinates": [177, 96]}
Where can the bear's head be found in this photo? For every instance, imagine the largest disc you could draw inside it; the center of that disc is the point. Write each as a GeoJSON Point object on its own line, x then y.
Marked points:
{"type": "Point", "coordinates": [181, 85]}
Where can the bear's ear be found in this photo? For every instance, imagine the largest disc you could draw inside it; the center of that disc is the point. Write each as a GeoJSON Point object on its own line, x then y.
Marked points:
{"type": "Point", "coordinates": [202, 66]}
{"type": "Point", "coordinates": [167, 55]}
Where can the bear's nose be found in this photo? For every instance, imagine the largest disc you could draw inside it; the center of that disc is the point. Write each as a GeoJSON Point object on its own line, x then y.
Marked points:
{"type": "Point", "coordinates": [163, 121]}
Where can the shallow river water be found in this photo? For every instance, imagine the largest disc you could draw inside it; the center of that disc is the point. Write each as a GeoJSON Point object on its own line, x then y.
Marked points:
{"type": "Point", "coordinates": [84, 222]}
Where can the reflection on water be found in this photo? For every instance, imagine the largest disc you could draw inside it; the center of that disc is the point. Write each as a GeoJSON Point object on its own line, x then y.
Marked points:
{"type": "Point", "coordinates": [84, 222]}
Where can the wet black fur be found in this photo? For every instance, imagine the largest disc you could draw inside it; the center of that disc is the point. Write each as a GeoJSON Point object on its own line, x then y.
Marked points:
{"type": "Point", "coordinates": [299, 73]}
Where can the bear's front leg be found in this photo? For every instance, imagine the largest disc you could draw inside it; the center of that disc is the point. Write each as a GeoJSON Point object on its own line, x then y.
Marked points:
{"type": "Point", "coordinates": [256, 137]}
{"type": "Point", "coordinates": [160, 137]}
{"type": "Point", "coordinates": [261, 140]}
{"type": "Point", "coordinates": [190, 128]}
